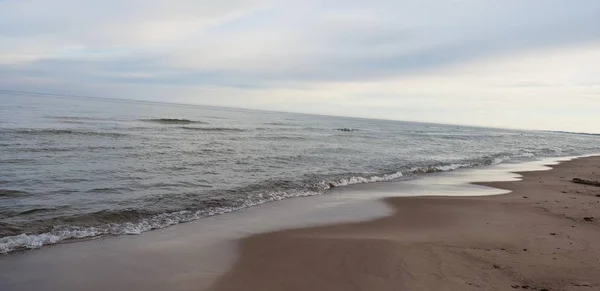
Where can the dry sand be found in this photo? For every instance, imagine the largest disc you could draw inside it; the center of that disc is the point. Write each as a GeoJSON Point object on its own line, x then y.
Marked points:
{"type": "Point", "coordinates": [534, 238]}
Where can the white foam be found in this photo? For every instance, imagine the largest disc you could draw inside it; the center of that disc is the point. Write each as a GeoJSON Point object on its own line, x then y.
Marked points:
{"type": "Point", "coordinates": [360, 180]}
{"type": "Point", "coordinates": [62, 233]}
{"type": "Point", "coordinates": [439, 168]}
{"type": "Point", "coordinates": [32, 241]}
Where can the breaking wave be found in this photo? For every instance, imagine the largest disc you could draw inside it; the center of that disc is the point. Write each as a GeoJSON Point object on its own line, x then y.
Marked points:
{"type": "Point", "coordinates": [64, 233]}
{"type": "Point", "coordinates": [359, 180]}
{"type": "Point", "coordinates": [128, 222]}
{"type": "Point", "coordinates": [455, 166]}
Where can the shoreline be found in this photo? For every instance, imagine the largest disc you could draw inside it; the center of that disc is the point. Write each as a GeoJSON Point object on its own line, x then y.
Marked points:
{"type": "Point", "coordinates": [72, 234]}
{"type": "Point", "coordinates": [192, 256]}
{"type": "Point", "coordinates": [537, 237]}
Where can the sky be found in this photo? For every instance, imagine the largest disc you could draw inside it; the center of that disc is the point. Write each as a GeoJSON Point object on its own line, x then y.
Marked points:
{"type": "Point", "coordinates": [514, 63]}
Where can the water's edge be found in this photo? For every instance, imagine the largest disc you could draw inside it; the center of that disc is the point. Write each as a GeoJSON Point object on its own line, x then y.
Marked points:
{"type": "Point", "coordinates": [59, 235]}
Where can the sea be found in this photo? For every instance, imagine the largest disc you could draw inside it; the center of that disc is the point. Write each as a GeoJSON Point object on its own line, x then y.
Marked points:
{"type": "Point", "coordinates": [78, 168]}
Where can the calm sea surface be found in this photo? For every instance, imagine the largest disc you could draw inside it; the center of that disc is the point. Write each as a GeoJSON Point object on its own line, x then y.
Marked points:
{"type": "Point", "coordinates": [75, 168]}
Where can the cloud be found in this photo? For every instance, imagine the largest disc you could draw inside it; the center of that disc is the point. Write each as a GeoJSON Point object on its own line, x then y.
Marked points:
{"type": "Point", "coordinates": [302, 54]}
{"type": "Point", "coordinates": [260, 42]}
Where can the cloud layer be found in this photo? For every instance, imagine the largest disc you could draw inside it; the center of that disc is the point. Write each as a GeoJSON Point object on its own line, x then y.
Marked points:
{"type": "Point", "coordinates": [385, 55]}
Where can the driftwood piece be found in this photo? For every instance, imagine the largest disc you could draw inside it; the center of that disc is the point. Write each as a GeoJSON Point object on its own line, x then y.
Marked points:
{"type": "Point", "coordinates": [586, 182]}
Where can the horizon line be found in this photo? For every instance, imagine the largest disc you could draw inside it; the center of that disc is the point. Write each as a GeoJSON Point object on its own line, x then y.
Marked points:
{"type": "Point", "coordinates": [65, 95]}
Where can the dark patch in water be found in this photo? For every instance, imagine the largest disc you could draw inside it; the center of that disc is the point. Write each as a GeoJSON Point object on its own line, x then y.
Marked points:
{"type": "Point", "coordinates": [41, 150]}
{"type": "Point", "coordinates": [17, 161]}
{"type": "Point", "coordinates": [74, 118]}
{"type": "Point", "coordinates": [11, 193]}
{"type": "Point", "coordinates": [42, 132]}
{"type": "Point", "coordinates": [216, 202]}
{"type": "Point", "coordinates": [35, 210]}
{"type": "Point", "coordinates": [8, 230]}
{"type": "Point", "coordinates": [101, 190]}
{"type": "Point", "coordinates": [174, 121]}
{"type": "Point", "coordinates": [275, 138]}
{"type": "Point", "coordinates": [109, 190]}
{"type": "Point", "coordinates": [280, 124]}
{"type": "Point", "coordinates": [347, 129]}
{"type": "Point", "coordinates": [212, 128]}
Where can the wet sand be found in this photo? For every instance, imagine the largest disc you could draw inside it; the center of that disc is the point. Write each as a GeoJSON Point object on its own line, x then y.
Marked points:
{"type": "Point", "coordinates": [545, 235]}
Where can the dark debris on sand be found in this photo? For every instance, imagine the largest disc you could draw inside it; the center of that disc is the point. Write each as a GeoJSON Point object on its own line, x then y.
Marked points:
{"type": "Point", "coordinates": [586, 182]}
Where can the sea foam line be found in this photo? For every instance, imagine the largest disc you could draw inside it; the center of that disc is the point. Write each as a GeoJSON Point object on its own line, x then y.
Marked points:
{"type": "Point", "coordinates": [63, 233]}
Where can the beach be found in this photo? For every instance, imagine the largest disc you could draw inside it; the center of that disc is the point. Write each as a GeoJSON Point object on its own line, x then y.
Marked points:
{"type": "Point", "coordinates": [542, 236]}
{"type": "Point", "coordinates": [360, 237]}
{"type": "Point", "coordinates": [307, 145]}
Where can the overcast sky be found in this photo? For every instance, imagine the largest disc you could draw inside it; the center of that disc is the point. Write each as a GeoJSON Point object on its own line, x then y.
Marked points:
{"type": "Point", "coordinates": [510, 63]}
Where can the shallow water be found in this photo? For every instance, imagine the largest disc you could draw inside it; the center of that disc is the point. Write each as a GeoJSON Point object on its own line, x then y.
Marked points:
{"type": "Point", "coordinates": [75, 168]}
{"type": "Point", "coordinates": [193, 255]}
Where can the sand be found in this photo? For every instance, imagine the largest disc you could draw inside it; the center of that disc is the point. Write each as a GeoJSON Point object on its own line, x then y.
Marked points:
{"type": "Point", "coordinates": [535, 238]}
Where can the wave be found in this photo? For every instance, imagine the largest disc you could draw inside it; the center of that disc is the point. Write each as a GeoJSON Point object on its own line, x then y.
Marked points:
{"type": "Point", "coordinates": [35, 210]}
{"type": "Point", "coordinates": [212, 128]}
{"type": "Point", "coordinates": [11, 193]}
{"type": "Point", "coordinates": [8, 230]}
{"type": "Point", "coordinates": [281, 124]}
{"type": "Point", "coordinates": [574, 132]}
{"type": "Point", "coordinates": [278, 137]}
{"type": "Point", "coordinates": [144, 222]}
{"type": "Point", "coordinates": [46, 132]}
{"type": "Point", "coordinates": [127, 222]}
{"type": "Point", "coordinates": [446, 167]}
{"type": "Point", "coordinates": [86, 149]}
{"type": "Point", "coordinates": [359, 180]}
{"type": "Point", "coordinates": [18, 161]}
{"type": "Point", "coordinates": [174, 121]}
{"type": "Point", "coordinates": [347, 129]}
{"type": "Point", "coordinates": [107, 190]}
{"type": "Point", "coordinates": [75, 118]}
